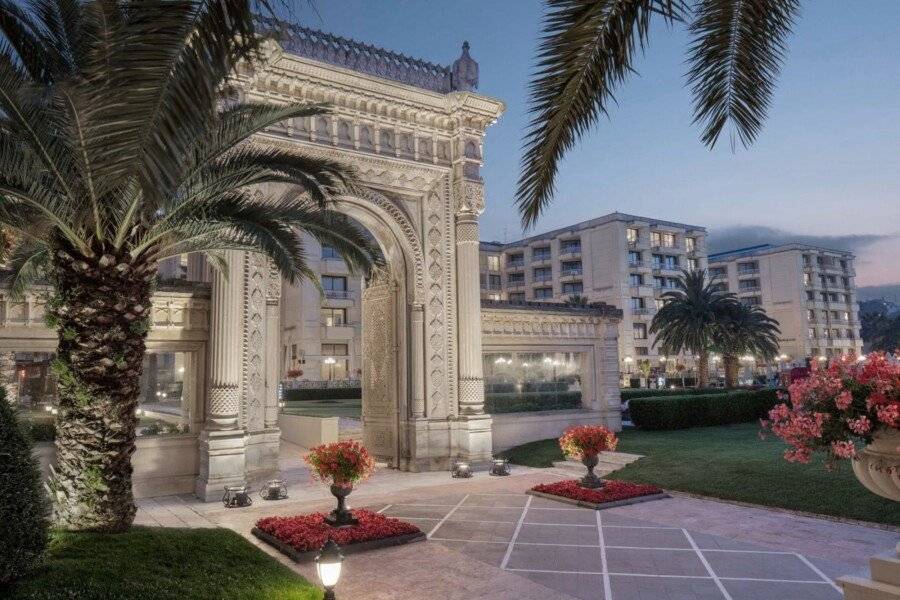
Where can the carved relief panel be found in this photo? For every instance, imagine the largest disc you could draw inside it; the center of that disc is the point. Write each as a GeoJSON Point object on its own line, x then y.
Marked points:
{"type": "Point", "coordinates": [379, 377]}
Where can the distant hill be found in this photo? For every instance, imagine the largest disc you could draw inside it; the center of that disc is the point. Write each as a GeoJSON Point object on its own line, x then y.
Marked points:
{"type": "Point", "coordinates": [889, 292]}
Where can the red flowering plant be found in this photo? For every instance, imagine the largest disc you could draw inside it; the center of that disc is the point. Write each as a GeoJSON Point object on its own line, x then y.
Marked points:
{"type": "Point", "coordinates": [306, 533]}
{"type": "Point", "coordinates": [837, 408]}
{"type": "Point", "coordinates": [341, 463]}
{"type": "Point", "coordinates": [612, 491]}
{"type": "Point", "coordinates": [587, 440]}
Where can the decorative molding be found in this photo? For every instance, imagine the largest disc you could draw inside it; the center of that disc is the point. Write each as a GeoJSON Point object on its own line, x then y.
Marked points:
{"type": "Point", "coordinates": [467, 231]}
{"type": "Point", "coordinates": [543, 324]}
{"type": "Point", "coordinates": [257, 271]}
{"type": "Point", "coordinates": [469, 198]}
{"type": "Point", "coordinates": [436, 304]}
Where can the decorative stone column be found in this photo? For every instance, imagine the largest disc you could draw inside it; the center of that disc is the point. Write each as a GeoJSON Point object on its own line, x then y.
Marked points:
{"type": "Point", "coordinates": [222, 442]}
{"type": "Point", "coordinates": [417, 362]}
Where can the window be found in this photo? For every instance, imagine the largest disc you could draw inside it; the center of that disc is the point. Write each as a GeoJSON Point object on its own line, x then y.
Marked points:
{"type": "Point", "coordinates": [834, 314]}
{"type": "Point", "coordinates": [811, 296]}
{"type": "Point", "coordinates": [634, 257]}
{"type": "Point", "coordinates": [810, 314]}
{"type": "Point", "coordinates": [334, 362]}
{"type": "Point", "coordinates": [655, 238]}
{"type": "Point", "coordinates": [833, 297]}
{"type": "Point", "coordinates": [329, 252]}
{"type": "Point", "coordinates": [570, 247]}
{"type": "Point", "coordinates": [557, 376]}
{"type": "Point", "coordinates": [659, 303]}
{"type": "Point", "coordinates": [637, 304]}
{"type": "Point", "coordinates": [671, 262]}
{"type": "Point", "coordinates": [845, 281]}
{"type": "Point", "coordinates": [642, 351]}
{"type": "Point", "coordinates": [824, 296]}
{"type": "Point", "coordinates": [721, 286]}
{"type": "Point", "coordinates": [334, 317]}
{"type": "Point", "coordinates": [494, 282]}
{"type": "Point", "coordinates": [807, 261]}
{"type": "Point", "coordinates": [636, 279]}
{"type": "Point", "coordinates": [657, 261]}
{"type": "Point", "coordinates": [515, 260]}
{"type": "Point", "coordinates": [807, 279]}
{"type": "Point", "coordinates": [659, 282]}
{"type": "Point", "coordinates": [844, 264]}
{"type": "Point", "coordinates": [822, 280]}
{"type": "Point", "coordinates": [748, 284]}
{"type": "Point", "coordinates": [845, 316]}
{"type": "Point", "coordinates": [693, 264]}
{"type": "Point", "coordinates": [574, 287]}
{"type": "Point", "coordinates": [811, 332]}
{"type": "Point", "coordinates": [631, 234]}
{"type": "Point", "coordinates": [640, 331]}
{"type": "Point", "coordinates": [751, 301]}
{"type": "Point", "coordinates": [293, 351]}
{"type": "Point", "coordinates": [832, 280]}
{"type": "Point", "coordinates": [543, 293]}
{"type": "Point", "coordinates": [836, 333]}
{"type": "Point", "coordinates": [718, 272]}
{"type": "Point", "coordinates": [493, 262]}
{"type": "Point", "coordinates": [335, 287]}
{"type": "Point", "coordinates": [517, 297]}
{"type": "Point", "coordinates": [541, 253]}
{"type": "Point", "coordinates": [671, 283]}
{"type": "Point", "coordinates": [748, 267]}
{"type": "Point", "coordinates": [690, 244]}
{"type": "Point", "coordinates": [515, 278]}
{"type": "Point", "coordinates": [571, 267]}
{"type": "Point", "coordinates": [543, 274]}
{"type": "Point", "coordinates": [849, 334]}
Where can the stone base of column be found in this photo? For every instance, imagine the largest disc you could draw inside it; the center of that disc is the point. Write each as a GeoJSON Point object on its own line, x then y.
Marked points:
{"type": "Point", "coordinates": [262, 452]}
{"type": "Point", "coordinates": [471, 396]}
{"type": "Point", "coordinates": [474, 438]}
{"type": "Point", "coordinates": [222, 462]}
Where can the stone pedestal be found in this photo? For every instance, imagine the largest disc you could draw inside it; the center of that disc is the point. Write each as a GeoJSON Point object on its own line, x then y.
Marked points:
{"type": "Point", "coordinates": [222, 462]}
{"type": "Point", "coordinates": [475, 438]}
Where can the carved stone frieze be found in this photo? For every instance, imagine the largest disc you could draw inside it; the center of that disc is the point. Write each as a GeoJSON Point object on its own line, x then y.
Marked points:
{"type": "Point", "coordinates": [257, 270]}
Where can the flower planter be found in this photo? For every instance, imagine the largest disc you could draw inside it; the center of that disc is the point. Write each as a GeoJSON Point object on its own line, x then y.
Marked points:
{"type": "Point", "coordinates": [591, 480]}
{"type": "Point", "coordinates": [613, 493]}
{"type": "Point", "coordinates": [878, 465]}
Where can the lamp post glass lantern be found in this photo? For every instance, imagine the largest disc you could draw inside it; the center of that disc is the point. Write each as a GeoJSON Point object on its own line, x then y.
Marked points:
{"type": "Point", "coordinates": [328, 567]}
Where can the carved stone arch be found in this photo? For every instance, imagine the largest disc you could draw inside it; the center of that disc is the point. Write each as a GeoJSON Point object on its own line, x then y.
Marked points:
{"type": "Point", "coordinates": [397, 219]}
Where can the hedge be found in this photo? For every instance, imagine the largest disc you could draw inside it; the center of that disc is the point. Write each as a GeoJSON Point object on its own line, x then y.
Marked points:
{"type": "Point", "coordinates": [701, 410]}
{"type": "Point", "coordinates": [531, 401]}
{"type": "Point", "coordinates": [303, 394]}
{"type": "Point", "coordinates": [632, 393]}
{"type": "Point", "coordinates": [532, 386]}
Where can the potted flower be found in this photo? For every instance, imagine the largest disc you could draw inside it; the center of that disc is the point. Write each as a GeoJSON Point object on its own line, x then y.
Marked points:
{"type": "Point", "coordinates": [585, 443]}
{"type": "Point", "coordinates": [341, 464]}
{"type": "Point", "coordinates": [849, 410]}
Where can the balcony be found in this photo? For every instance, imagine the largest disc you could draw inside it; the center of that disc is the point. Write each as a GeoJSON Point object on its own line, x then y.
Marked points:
{"type": "Point", "coordinates": [642, 312]}
{"type": "Point", "coordinates": [744, 272]}
{"type": "Point", "coordinates": [515, 283]}
{"type": "Point", "coordinates": [749, 288]}
{"type": "Point", "coordinates": [344, 331]}
{"type": "Point", "coordinates": [543, 280]}
{"type": "Point", "coordinates": [515, 264]}
{"type": "Point", "coordinates": [339, 294]}
{"type": "Point", "coordinates": [488, 287]}
{"type": "Point", "coordinates": [570, 273]}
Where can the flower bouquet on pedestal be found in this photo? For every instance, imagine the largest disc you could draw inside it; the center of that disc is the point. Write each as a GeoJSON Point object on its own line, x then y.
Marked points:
{"type": "Point", "coordinates": [585, 443]}
{"type": "Point", "coordinates": [341, 464]}
{"type": "Point", "coordinates": [849, 410]}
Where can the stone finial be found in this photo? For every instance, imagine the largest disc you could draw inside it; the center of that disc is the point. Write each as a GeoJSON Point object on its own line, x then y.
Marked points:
{"type": "Point", "coordinates": [464, 72]}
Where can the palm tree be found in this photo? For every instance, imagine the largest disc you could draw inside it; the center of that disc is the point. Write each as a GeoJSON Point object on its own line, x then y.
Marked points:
{"type": "Point", "coordinates": [587, 51]}
{"type": "Point", "coordinates": [577, 300]}
{"type": "Point", "coordinates": [117, 150]}
{"type": "Point", "coordinates": [744, 329]}
{"type": "Point", "coordinates": [689, 317]}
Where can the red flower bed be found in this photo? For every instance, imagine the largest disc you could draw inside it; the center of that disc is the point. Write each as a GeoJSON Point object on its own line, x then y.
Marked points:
{"type": "Point", "coordinates": [612, 490]}
{"type": "Point", "coordinates": [310, 532]}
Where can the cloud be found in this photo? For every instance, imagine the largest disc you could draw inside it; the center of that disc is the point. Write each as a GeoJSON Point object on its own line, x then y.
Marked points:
{"type": "Point", "coordinates": [876, 255]}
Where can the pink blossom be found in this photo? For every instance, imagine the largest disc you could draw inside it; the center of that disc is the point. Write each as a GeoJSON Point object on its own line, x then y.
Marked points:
{"type": "Point", "coordinates": [860, 426]}
{"type": "Point", "coordinates": [844, 400]}
{"type": "Point", "coordinates": [889, 415]}
{"type": "Point", "coordinates": [843, 449]}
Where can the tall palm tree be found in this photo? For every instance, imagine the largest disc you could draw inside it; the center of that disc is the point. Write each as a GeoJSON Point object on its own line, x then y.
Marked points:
{"type": "Point", "coordinates": [689, 317]}
{"type": "Point", "coordinates": [117, 150]}
{"type": "Point", "coordinates": [744, 330]}
{"type": "Point", "coordinates": [587, 51]}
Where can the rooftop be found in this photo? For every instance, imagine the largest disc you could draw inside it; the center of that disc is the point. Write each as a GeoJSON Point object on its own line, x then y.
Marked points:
{"type": "Point", "coordinates": [366, 58]}
{"type": "Point", "coordinates": [589, 224]}
{"type": "Point", "coordinates": [761, 249]}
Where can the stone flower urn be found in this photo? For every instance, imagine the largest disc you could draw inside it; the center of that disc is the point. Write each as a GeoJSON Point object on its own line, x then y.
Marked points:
{"type": "Point", "coordinates": [340, 516]}
{"type": "Point", "coordinates": [877, 466]}
{"type": "Point", "coordinates": [591, 480]}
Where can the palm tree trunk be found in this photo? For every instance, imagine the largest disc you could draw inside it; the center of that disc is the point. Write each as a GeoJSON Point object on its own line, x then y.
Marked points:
{"type": "Point", "coordinates": [731, 370]}
{"type": "Point", "coordinates": [102, 312]}
{"type": "Point", "coordinates": [703, 369]}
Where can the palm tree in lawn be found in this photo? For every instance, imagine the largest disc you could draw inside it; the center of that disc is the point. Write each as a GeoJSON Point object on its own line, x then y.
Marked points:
{"type": "Point", "coordinates": [117, 151]}
{"type": "Point", "coordinates": [744, 330]}
{"type": "Point", "coordinates": [689, 317]}
{"type": "Point", "coordinates": [587, 51]}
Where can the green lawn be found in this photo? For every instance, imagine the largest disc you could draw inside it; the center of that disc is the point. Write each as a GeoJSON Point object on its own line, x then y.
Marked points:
{"type": "Point", "coordinates": [732, 463]}
{"type": "Point", "coordinates": [162, 564]}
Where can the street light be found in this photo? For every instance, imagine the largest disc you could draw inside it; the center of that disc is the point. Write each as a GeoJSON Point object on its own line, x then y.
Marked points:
{"type": "Point", "coordinates": [328, 567]}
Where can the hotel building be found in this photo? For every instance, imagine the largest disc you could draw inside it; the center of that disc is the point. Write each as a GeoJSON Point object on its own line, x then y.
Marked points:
{"type": "Point", "coordinates": [810, 291]}
{"type": "Point", "coordinates": [623, 260]}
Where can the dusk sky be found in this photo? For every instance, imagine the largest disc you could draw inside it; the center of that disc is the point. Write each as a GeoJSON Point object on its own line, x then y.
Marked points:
{"type": "Point", "coordinates": [826, 167]}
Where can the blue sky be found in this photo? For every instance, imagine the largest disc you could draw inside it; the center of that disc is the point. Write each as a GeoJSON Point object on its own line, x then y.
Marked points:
{"type": "Point", "coordinates": [827, 164]}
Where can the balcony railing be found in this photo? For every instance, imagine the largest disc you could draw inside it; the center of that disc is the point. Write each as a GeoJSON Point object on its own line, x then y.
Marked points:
{"type": "Point", "coordinates": [642, 311]}
{"type": "Point", "coordinates": [542, 279]}
{"type": "Point", "coordinates": [570, 250]}
{"type": "Point", "coordinates": [338, 294]}
{"type": "Point", "coordinates": [748, 271]}
{"type": "Point", "coordinates": [636, 264]}
{"type": "Point", "coordinates": [539, 257]}
{"type": "Point", "coordinates": [515, 264]}
{"type": "Point", "coordinates": [749, 288]}
{"type": "Point", "coordinates": [567, 272]}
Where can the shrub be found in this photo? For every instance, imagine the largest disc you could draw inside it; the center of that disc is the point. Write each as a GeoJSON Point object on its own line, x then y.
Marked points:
{"type": "Point", "coordinates": [303, 394]}
{"type": "Point", "coordinates": [23, 505]}
{"type": "Point", "coordinates": [701, 410]}
{"type": "Point", "coordinates": [632, 393]}
{"type": "Point", "coordinates": [43, 431]}
{"type": "Point", "coordinates": [531, 401]}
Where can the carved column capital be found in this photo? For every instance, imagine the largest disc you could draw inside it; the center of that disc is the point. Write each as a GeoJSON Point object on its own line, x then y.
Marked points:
{"type": "Point", "coordinates": [468, 198]}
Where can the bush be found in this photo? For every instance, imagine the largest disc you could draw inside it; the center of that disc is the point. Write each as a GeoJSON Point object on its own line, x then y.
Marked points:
{"type": "Point", "coordinates": [531, 401]}
{"type": "Point", "coordinates": [43, 431]}
{"type": "Point", "coordinates": [23, 505]}
{"type": "Point", "coordinates": [303, 394]}
{"type": "Point", "coordinates": [632, 393]}
{"type": "Point", "coordinates": [701, 410]}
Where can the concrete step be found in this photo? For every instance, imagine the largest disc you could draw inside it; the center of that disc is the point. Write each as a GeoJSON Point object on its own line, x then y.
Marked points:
{"type": "Point", "coordinates": [886, 568]}
{"type": "Point", "coordinates": [858, 588]}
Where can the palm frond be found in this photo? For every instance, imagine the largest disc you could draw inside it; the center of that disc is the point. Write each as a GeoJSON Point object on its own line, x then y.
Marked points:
{"type": "Point", "coordinates": [586, 51]}
{"type": "Point", "coordinates": [736, 52]}
{"type": "Point", "coordinates": [27, 264]}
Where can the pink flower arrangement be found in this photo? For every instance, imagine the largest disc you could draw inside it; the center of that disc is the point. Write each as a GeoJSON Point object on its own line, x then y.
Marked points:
{"type": "Point", "coordinates": [838, 407]}
{"type": "Point", "coordinates": [587, 440]}
{"type": "Point", "coordinates": [612, 490]}
{"type": "Point", "coordinates": [310, 532]}
{"type": "Point", "coordinates": [342, 463]}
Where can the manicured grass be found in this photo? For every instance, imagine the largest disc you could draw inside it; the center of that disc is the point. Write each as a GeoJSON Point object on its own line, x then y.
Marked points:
{"type": "Point", "coordinates": [162, 564]}
{"type": "Point", "coordinates": [732, 463]}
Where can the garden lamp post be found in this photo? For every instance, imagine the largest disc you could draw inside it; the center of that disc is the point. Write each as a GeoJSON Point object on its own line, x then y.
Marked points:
{"type": "Point", "coordinates": [328, 567]}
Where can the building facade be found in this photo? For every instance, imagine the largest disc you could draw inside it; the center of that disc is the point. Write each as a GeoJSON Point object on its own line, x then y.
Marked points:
{"type": "Point", "coordinates": [810, 291]}
{"type": "Point", "coordinates": [623, 260]}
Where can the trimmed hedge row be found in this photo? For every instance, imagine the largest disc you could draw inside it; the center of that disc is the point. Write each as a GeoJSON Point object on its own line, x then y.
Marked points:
{"type": "Point", "coordinates": [532, 386]}
{"type": "Point", "coordinates": [632, 393]}
{"type": "Point", "coordinates": [701, 410]}
{"type": "Point", "coordinates": [531, 401]}
{"type": "Point", "coordinates": [303, 394]}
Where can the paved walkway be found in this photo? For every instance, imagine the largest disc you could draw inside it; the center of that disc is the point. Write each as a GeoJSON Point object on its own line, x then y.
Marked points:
{"type": "Point", "coordinates": [487, 539]}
